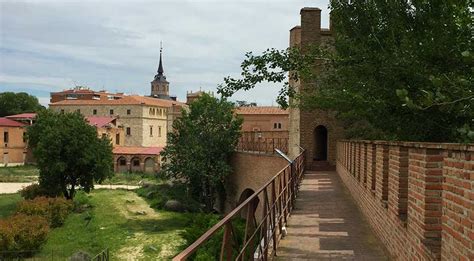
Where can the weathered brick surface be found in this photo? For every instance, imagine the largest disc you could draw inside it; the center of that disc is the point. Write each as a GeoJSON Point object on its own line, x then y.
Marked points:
{"type": "Point", "coordinates": [433, 219]}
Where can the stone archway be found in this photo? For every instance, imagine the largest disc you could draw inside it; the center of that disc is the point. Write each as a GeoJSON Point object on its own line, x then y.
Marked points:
{"type": "Point", "coordinates": [149, 165]}
{"type": "Point", "coordinates": [253, 205]}
{"type": "Point", "coordinates": [122, 164]}
{"type": "Point", "coordinates": [320, 143]}
{"type": "Point", "coordinates": [135, 165]}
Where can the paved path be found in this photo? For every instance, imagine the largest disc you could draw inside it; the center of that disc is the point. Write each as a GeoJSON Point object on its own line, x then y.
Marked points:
{"type": "Point", "coordinates": [327, 225]}
{"type": "Point", "coordinates": [8, 188]}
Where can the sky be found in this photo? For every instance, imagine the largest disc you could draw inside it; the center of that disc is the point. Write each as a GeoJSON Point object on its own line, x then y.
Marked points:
{"type": "Point", "coordinates": [48, 46]}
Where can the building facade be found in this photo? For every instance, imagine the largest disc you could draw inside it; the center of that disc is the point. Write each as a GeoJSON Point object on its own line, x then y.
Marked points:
{"type": "Point", "coordinates": [317, 131]}
{"type": "Point", "coordinates": [13, 149]}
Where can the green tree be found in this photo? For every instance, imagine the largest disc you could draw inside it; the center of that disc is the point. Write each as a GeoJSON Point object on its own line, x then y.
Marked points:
{"type": "Point", "coordinates": [396, 70]}
{"type": "Point", "coordinates": [199, 148]}
{"type": "Point", "coordinates": [68, 153]}
{"type": "Point", "coordinates": [15, 103]}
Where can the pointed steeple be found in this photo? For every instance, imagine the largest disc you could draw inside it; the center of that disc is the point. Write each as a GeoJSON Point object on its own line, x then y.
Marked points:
{"type": "Point", "coordinates": [159, 85]}
{"type": "Point", "coordinates": [160, 66]}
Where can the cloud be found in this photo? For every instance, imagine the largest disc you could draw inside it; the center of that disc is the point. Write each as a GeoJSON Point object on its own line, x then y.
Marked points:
{"type": "Point", "coordinates": [49, 45]}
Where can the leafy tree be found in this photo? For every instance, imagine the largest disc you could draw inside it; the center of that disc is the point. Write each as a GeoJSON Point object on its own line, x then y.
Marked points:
{"type": "Point", "coordinates": [199, 150]}
{"type": "Point", "coordinates": [15, 103]}
{"type": "Point", "coordinates": [245, 104]}
{"type": "Point", "coordinates": [396, 70]}
{"type": "Point", "coordinates": [68, 153]}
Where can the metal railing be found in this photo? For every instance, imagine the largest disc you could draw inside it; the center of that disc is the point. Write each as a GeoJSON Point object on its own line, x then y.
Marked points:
{"type": "Point", "coordinates": [264, 223]}
{"type": "Point", "coordinates": [263, 142]}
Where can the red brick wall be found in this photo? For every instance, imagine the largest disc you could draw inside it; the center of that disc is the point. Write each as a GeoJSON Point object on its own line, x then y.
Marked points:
{"type": "Point", "coordinates": [418, 197]}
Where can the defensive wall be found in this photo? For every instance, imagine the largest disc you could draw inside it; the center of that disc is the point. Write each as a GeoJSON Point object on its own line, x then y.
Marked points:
{"type": "Point", "coordinates": [417, 197]}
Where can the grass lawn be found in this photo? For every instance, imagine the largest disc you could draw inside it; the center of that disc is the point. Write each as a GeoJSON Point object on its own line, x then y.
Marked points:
{"type": "Point", "coordinates": [8, 204]}
{"type": "Point", "coordinates": [123, 222]}
{"type": "Point", "coordinates": [27, 173]}
{"type": "Point", "coordinates": [131, 178]}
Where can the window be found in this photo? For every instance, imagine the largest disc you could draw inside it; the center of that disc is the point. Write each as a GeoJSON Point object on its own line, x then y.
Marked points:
{"type": "Point", "coordinates": [129, 131]}
{"type": "Point", "coordinates": [111, 112]}
{"type": "Point", "coordinates": [24, 137]}
{"type": "Point", "coordinates": [274, 125]}
{"type": "Point", "coordinates": [123, 162]}
{"type": "Point", "coordinates": [279, 125]}
{"type": "Point", "coordinates": [159, 131]}
{"type": "Point", "coordinates": [129, 112]}
{"type": "Point", "coordinates": [151, 131]}
{"type": "Point", "coordinates": [117, 139]}
{"type": "Point", "coordinates": [5, 137]}
{"type": "Point", "coordinates": [94, 111]}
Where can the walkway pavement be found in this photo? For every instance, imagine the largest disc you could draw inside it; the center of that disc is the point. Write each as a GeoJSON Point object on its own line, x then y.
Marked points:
{"type": "Point", "coordinates": [14, 187]}
{"type": "Point", "coordinates": [327, 225]}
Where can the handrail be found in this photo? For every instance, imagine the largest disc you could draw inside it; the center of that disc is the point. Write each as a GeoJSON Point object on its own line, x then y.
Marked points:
{"type": "Point", "coordinates": [278, 196]}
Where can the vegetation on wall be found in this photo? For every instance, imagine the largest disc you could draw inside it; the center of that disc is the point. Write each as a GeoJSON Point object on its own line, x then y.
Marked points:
{"type": "Point", "coordinates": [15, 103]}
{"type": "Point", "coordinates": [68, 153]}
{"type": "Point", "coordinates": [199, 149]}
{"type": "Point", "coordinates": [398, 70]}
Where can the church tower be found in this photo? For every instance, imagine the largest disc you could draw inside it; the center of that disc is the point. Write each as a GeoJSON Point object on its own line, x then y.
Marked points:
{"type": "Point", "coordinates": [159, 85]}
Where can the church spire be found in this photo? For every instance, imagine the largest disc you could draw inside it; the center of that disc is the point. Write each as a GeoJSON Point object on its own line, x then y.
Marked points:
{"type": "Point", "coordinates": [160, 66]}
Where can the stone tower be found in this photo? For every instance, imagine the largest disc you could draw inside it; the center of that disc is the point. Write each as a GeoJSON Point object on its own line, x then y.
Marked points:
{"type": "Point", "coordinates": [316, 131]}
{"type": "Point", "coordinates": [159, 85]}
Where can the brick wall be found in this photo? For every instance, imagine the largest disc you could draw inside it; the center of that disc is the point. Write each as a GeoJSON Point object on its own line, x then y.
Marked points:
{"type": "Point", "coordinates": [251, 171]}
{"type": "Point", "coordinates": [418, 197]}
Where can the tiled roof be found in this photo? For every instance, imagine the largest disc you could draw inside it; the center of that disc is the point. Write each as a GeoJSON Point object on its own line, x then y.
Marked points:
{"type": "Point", "coordinates": [4, 122]}
{"type": "Point", "coordinates": [125, 100]}
{"type": "Point", "coordinates": [99, 121]}
{"type": "Point", "coordinates": [267, 110]}
{"type": "Point", "coordinates": [137, 150]}
{"type": "Point", "coordinates": [31, 115]}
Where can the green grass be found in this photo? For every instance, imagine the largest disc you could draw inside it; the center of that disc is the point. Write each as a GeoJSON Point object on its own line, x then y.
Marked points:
{"type": "Point", "coordinates": [27, 173]}
{"type": "Point", "coordinates": [8, 204]}
{"type": "Point", "coordinates": [123, 222]}
{"type": "Point", "coordinates": [132, 178]}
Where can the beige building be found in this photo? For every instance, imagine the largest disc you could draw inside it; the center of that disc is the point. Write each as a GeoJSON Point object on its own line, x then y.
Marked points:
{"type": "Point", "coordinates": [145, 120]}
{"type": "Point", "coordinates": [263, 118]}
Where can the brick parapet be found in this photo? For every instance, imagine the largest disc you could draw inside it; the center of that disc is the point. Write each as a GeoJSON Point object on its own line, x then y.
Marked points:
{"type": "Point", "coordinates": [433, 219]}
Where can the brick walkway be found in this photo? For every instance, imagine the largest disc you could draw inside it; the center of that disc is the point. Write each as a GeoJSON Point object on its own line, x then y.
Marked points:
{"type": "Point", "coordinates": [327, 225]}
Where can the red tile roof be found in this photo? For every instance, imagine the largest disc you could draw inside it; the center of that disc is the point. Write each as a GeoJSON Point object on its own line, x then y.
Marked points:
{"type": "Point", "coordinates": [137, 150]}
{"type": "Point", "coordinates": [266, 110]}
{"type": "Point", "coordinates": [4, 122]}
{"type": "Point", "coordinates": [125, 100]}
{"type": "Point", "coordinates": [99, 121]}
{"type": "Point", "coordinates": [30, 115]}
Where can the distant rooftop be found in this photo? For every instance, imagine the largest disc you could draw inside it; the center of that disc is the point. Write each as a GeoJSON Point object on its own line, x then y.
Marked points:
{"type": "Point", "coordinates": [137, 150]}
{"type": "Point", "coordinates": [5, 122]}
{"type": "Point", "coordinates": [263, 110]}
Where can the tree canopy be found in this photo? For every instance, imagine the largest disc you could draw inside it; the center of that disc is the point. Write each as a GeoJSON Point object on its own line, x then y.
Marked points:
{"type": "Point", "coordinates": [199, 148]}
{"type": "Point", "coordinates": [398, 70]}
{"type": "Point", "coordinates": [15, 103]}
{"type": "Point", "coordinates": [68, 153]}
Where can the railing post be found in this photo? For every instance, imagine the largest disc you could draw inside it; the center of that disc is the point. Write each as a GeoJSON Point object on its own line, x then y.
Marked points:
{"type": "Point", "coordinates": [226, 249]}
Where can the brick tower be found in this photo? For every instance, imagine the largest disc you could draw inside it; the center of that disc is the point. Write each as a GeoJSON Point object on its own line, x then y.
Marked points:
{"type": "Point", "coordinates": [316, 131]}
{"type": "Point", "coordinates": [159, 85]}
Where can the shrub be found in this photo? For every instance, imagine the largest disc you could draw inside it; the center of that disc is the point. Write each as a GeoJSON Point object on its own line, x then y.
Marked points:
{"type": "Point", "coordinates": [81, 201]}
{"type": "Point", "coordinates": [22, 232]}
{"type": "Point", "coordinates": [158, 195]}
{"type": "Point", "coordinates": [32, 191]}
{"type": "Point", "coordinates": [55, 210]}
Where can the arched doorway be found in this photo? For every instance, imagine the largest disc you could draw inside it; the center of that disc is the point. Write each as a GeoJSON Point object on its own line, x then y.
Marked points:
{"type": "Point", "coordinates": [122, 164]}
{"type": "Point", "coordinates": [149, 165]}
{"type": "Point", "coordinates": [253, 205]}
{"type": "Point", "coordinates": [135, 165]}
{"type": "Point", "coordinates": [320, 143]}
